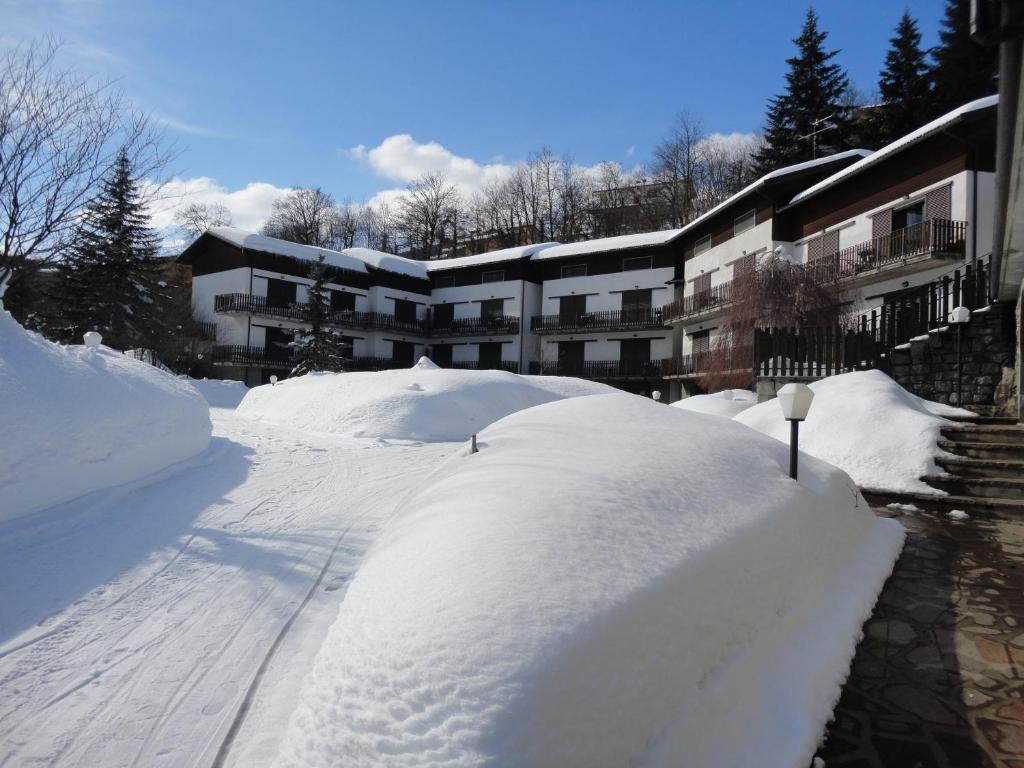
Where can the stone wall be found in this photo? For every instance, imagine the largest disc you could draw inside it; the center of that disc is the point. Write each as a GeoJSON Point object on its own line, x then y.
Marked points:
{"type": "Point", "coordinates": [928, 368]}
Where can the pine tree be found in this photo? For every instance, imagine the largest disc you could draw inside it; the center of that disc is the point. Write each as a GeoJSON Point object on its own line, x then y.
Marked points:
{"type": "Point", "coordinates": [964, 70]}
{"type": "Point", "coordinates": [815, 89]}
{"type": "Point", "coordinates": [110, 280]}
{"type": "Point", "coordinates": [905, 86]}
{"type": "Point", "coordinates": [321, 348]}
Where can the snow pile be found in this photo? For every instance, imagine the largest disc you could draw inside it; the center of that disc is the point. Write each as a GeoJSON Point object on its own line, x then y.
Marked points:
{"type": "Point", "coordinates": [220, 393]}
{"type": "Point", "coordinates": [608, 582]}
{"type": "Point", "coordinates": [884, 437]}
{"type": "Point", "coordinates": [76, 420]}
{"type": "Point", "coordinates": [419, 403]}
{"type": "Point", "coordinates": [726, 403]}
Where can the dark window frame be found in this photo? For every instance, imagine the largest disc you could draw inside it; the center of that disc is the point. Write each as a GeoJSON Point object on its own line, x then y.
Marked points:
{"type": "Point", "coordinates": [750, 215]}
{"type": "Point", "coordinates": [648, 263]}
{"type": "Point", "coordinates": [444, 281]}
{"type": "Point", "coordinates": [702, 245]}
{"type": "Point", "coordinates": [569, 270]}
{"type": "Point", "coordinates": [489, 276]}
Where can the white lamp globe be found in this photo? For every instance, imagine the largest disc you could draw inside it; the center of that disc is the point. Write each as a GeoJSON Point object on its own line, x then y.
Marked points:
{"type": "Point", "coordinates": [92, 339]}
{"type": "Point", "coordinates": [273, 380]}
{"type": "Point", "coordinates": [795, 401]}
{"type": "Point", "coordinates": [960, 315]}
{"type": "Point", "coordinates": [656, 395]}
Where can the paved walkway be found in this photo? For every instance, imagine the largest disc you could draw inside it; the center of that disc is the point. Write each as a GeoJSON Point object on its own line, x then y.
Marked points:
{"type": "Point", "coordinates": [938, 679]}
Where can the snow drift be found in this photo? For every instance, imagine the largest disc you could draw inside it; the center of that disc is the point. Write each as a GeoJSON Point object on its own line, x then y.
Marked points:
{"type": "Point", "coordinates": [726, 403]}
{"type": "Point", "coordinates": [76, 420]}
{"type": "Point", "coordinates": [884, 437]}
{"type": "Point", "coordinates": [608, 582]}
{"type": "Point", "coordinates": [220, 393]}
{"type": "Point", "coordinates": [419, 403]}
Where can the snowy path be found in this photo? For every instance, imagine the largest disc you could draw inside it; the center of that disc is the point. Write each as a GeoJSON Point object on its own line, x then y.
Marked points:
{"type": "Point", "coordinates": [133, 621]}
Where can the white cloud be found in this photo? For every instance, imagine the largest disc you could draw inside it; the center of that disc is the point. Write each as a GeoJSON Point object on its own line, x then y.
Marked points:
{"type": "Point", "coordinates": [630, 150]}
{"type": "Point", "coordinates": [189, 128]}
{"type": "Point", "coordinates": [250, 206]}
{"type": "Point", "coordinates": [733, 143]}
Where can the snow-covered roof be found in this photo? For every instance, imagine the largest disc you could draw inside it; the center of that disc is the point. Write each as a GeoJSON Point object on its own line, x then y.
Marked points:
{"type": "Point", "coordinates": [244, 239]}
{"type": "Point", "coordinates": [389, 262]}
{"type": "Point", "coordinates": [603, 244]}
{"type": "Point", "coordinates": [900, 144]}
{"type": "Point", "coordinates": [491, 257]}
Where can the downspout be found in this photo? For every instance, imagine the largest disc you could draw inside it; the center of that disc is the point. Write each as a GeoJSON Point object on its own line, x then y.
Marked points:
{"type": "Point", "coordinates": [972, 158]}
{"type": "Point", "coordinates": [522, 322]}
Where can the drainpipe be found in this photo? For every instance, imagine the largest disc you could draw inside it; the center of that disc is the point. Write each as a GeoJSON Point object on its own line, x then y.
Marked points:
{"type": "Point", "coordinates": [522, 323]}
{"type": "Point", "coordinates": [972, 158]}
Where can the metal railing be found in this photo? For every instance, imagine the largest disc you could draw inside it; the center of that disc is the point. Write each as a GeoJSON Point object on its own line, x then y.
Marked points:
{"type": "Point", "coordinates": [814, 353]}
{"type": "Point", "coordinates": [344, 318]}
{"type": "Point", "coordinates": [611, 320]}
{"type": "Point", "coordinates": [602, 369]}
{"type": "Point", "coordinates": [496, 325]}
{"type": "Point", "coordinates": [504, 365]}
{"type": "Point", "coordinates": [725, 360]}
{"type": "Point", "coordinates": [699, 303]}
{"type": "Point", "coordinates": [239, 354]}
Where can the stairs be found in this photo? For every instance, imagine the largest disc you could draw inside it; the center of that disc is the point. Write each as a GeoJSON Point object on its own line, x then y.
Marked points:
{"type": "Point", "coordinates": [985, 471]}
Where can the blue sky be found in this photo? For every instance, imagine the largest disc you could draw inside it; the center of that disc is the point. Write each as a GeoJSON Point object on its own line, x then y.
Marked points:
{"type": "Point", "coordinates": [279, 93]}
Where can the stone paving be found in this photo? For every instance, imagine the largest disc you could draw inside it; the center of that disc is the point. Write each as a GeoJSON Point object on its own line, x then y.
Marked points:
{"type": "Point", "coordinates": [938, 679]}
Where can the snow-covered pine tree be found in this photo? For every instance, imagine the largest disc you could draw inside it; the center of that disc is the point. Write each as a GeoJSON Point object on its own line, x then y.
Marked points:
{"type": "Point", "coordinates": [815, 89]}
{"type": "Point", "coordinates": [905, 86]}
{"type": "Point", "coordinates": [321, 348]}
{"type": "Point", "coordinates": [109, 281]}
{"type": "Point", "coordinates": [964, 70]}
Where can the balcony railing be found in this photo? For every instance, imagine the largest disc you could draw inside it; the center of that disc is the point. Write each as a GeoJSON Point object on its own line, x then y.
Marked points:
{"type": "Point", "coordinates": [344, 318]}
{"type": "Point", "coordinates": [698, 363]}
{"type": "Point", "coordinates": [375, 364]}
{"type": "Point", "coordinates": [497, 325]}
{"type": "Point", "coordinates": [504, 365]}
{"type": "Point", "coordinates": [602, 369]}
{"type": "Point", "coordinates": [940, 238]}
{"type": "Point", "coordinates": [614, 320]}
{"type": "Point", "coordinates": [234, 354]}
{"type": "Point", "coordinates": [699, 303]}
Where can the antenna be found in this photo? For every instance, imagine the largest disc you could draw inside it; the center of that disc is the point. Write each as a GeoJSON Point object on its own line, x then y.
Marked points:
{"type": "Point", "coordinates": [813, 135]}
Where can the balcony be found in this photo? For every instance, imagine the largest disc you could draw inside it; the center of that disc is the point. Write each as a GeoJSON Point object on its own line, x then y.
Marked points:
{"type": "Point", "coordinates": [699, 363]}
{"type": "Point", "coordinates": [244, 303]}
{"type": "Point", "coordinates": [261, 357]}
{"type": "Point", "coordinates": [496, 325]}
{"type": "Point", "coordinates": [590, 322]}
{"type": "Point", "coordinates": [892, 253]}
{"type": "Point", "coordinates": [602, 369]}
{"type": "Point", "coordinates": [504, 365]}
{"type": "Point", "coordinates": [698, 305]}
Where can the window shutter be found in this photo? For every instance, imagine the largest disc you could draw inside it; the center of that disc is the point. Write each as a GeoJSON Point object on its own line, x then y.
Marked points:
{"type": "Point", "coordinates": [938, 203]}
{"type": "Point", "coordinates": [743, 267]}
{"type": "Point", "coordinates": [702, 284]}
{"type": "Point", "coordinates": [814, 249]}
{"type": "Point", "coordinates": [881, 223]}
{"type": "Point", "coordinates": [701, 342]}
{"type": "Point", "coordinates": [830, 243]}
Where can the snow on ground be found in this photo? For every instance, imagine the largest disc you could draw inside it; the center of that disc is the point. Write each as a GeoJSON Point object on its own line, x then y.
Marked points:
{"type": "Point", "coordinates": [608, 582]}
{"type": "Point", "coordinates": [726, 403]}
{"type": "Point", "coordinates": [419, 403]}
{"type": "Point", "coordinates": [77, 419]}
{"type": "Point", "coordinates": [134, 619]}
{"type": "Point", "coordinates": [866, 424]}
{"type": "Point", "coordinates": [220, 393]}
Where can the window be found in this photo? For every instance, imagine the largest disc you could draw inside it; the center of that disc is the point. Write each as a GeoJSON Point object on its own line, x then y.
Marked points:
{"type": "Point", "coordinates": [636, 262]}
{"type": "Point", "coordinates": [570, 356]}
{"type": "Point", "coordinates": [402, 352]}
{"type": "Point", "coordinates": [702, 245]}
{"type": "Point", "coordinates": [636, 306]}
{"type": "Point", "coordinates": [634, 355]}
{"type": "Point", "coordinates": [494, 276]}
{"type": "Point", "coordinates": [908, 217]}
{"type": "Point", "coordinates": [343, 301]}
{"type": "Point", "coordinates": [701, 342]}
{"type": "Point", "coordinates": [490, 355]}
{"type": "Point", "coordinates": [444, 314]}
{"type": "Point", "coordinates": [444, 281]}
{"type": "Point", "coordinates": [280, 293]}
{"type": "Point", "coordinates": [574, 270]}
{"type": "Point", "coordinates": [491, 308]}
{"type": "Point", "coordinates": [405, 311]}
{"type": "Point", "coordinates": [571, 308]}
{"type": "Point", "coordinates": [744, 222]}
{"type": "Point", "coordinates": [441, 354]}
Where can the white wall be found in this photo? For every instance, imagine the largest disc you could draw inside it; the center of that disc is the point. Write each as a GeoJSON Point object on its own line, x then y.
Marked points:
{"type": "Point", "coordinates": [604, 292]}
{"type": "Point", "coordinates": [717, 260]}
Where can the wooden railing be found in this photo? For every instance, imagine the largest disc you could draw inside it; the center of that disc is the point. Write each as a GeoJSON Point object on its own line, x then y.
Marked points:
{"type": "Point", "coordinates": [345, 318]}
{"type": "Point", "coordinates": [602, 369]}
{"type": "Point", "coordinates": [612, 320]}
{"type": "Point", "coordinates": [814, 353]}
{"type": "Point", "coordinates": [699, 303]}
{"type": "Point", "coordinates": [498, 325]}
{"type": "Point", "coordinates": [932, 237]}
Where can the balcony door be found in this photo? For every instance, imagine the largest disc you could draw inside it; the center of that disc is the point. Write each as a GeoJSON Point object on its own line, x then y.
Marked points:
{"type": "Point", "coordinates": [636, 305]}
{"type": "Point", "coordinates": [634, 356]}
{"type": "Point", "coordinates": [570, 358]}
{"type": "Point", "coordinates": [278, 343]}
{"type": "Point", "coordinates": [491, 309]}
{"type": "Point", "coordinates": [908, 229]}
{"type": "Point", "coordinates": [441, 354]}
{"type": "Point", "coordinates": [343, 301]}
{"type": "Point", "coordinates": [444, 314]}
{"type": "Point", "coordinates": [402, 352]}
{"type": "Point", "coordinates": [405, 311]}
{"type": "Point", "coordinates": [490, 355]}
{"type": "Point", "coordinates": [571, 309]}
{"type": "Point", "coordinates": [280, 293]}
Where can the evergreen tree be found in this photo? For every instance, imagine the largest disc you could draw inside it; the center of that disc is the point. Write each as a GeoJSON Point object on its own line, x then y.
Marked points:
{"type": "Point", "coordinates": [321, 348]}
{"type": "Point", "coordinates": [110, 281]}
{"type": "Point", "coordinates": [905, 86]}
{"type": "Point", "coordinates": [964, 70]}
{"type": "Point", "coordinates": [815, 89]}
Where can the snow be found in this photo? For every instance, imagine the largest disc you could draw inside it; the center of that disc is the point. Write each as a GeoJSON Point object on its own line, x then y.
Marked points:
{"type": "Point", "coordinates": [389, 262]}
{"type": "Point", "coordinates": [491, 257]}
{"type": "Point", "coordinates": [608, 582]}
{"type": "Point", "coordinates": [602, 244]}
{"type": "Point", "coordinates": [726, 403]}
{"type": "Point", "coordinates": [958, 514]}
{"type": "Point", "coordinates": [903, 142]}
{"type": "Point", "coordinates": [865, 423]}
{"type": "Point", "coordinates": [243, 239]}
{"type": "Point", "coordinates": [220, 393]}
{"type": "Point", "coordinates": [902, 507]}
{"type": "Point", "coordinates": [78, 419]}
{"type": "Point", "coordinates": [419, 403]}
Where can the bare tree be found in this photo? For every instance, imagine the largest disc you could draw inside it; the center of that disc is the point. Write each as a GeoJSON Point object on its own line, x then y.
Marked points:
{"type": "Point", "coordinates": [60, 134]}
{"type": "Point", "coordinates": [378, 227]}
{"type": "Point", "coordinates": [195, 218]}
{"type": "Point", "coordinates": [306, 215]}
{"type": "Point", "coordinates": [574, 191]}
{"type": "Point", "coordinates": [428, 204]}
{"type": "Point", "coordinates": [677, 170]}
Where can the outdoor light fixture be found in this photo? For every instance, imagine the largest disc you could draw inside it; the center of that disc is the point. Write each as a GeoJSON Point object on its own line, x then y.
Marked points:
{"type": "Point", "coordinates": [92, 339]}
{"type": "Point", "coordinates": [273, 380]}
{"type": "Point", "coordinates": [959, 317]}
{"type": "Point", "coordinates": [656, 395]}
{"type": "Point", "coordinates": [795, 401]}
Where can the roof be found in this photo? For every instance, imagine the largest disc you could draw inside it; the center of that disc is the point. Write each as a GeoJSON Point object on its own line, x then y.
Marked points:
{"type": "Point", "coordinates": [602, 244]}
{"type": "Point", "coordinates": [935, 126]}
{"type": "Point", "coordinates": [389, 262]}
{"type": "Point", "coordinates": [243, 239]}
{"type": "Point", "coordinates": [491, 257]}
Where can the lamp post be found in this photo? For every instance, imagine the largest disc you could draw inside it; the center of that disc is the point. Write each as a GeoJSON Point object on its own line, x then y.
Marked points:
{"type": "Point", "coordinates": [273, 380]}
{"type": "Point", "coordinates": [959, 317]}
{"type": "Point", "coordinates": [795, 400]}
{"type": "Point", "coordinates": [656, 395]}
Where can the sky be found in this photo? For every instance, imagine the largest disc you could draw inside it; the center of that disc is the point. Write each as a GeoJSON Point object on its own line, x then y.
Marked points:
{"type": "Point", "coordinates": [360, 97]}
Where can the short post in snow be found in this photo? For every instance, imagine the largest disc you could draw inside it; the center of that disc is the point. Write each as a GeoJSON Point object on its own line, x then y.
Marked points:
{"type": "Point", "coordinates": [959, 317]}
{"type": "Point", "coordinates": [273, 381]}
{"type": "Point", "coordinates": [92, 339]}
{"type": "Point", "coordinates": [795, 401]}
{"type": "Point", "coordinates": [472, 444]}
{"type": "Point", "coordinates": [656, 396]}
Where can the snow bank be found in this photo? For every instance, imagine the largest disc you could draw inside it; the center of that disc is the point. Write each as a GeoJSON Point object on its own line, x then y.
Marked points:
{"type": "Point", "coordinates": [220, 393]}
{"type": "Point", "coordinates": [865, 423]}
{"type": "Point", "coordinates": [76, 420]}
{"type": "Point", "coordinates": [608, 582]}
{"type": "Point", "coordinates": [419, 403]}
{"type": "Point", "coordinates": [726, 403]}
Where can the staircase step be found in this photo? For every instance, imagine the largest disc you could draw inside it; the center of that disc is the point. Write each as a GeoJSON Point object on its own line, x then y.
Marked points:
{"type": "Point", "coordinates": [986, 450]}
{"type": "Point", "coordinates": [984, 420]}
{"type": "Point", "coordinates": [994, 433]}
{"type": "Point", "coordinates": [946, 503]}
{"type": "Point", "coordinates": [988, 487]}
{"type": "Point", "coordinates": [966, 467]}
